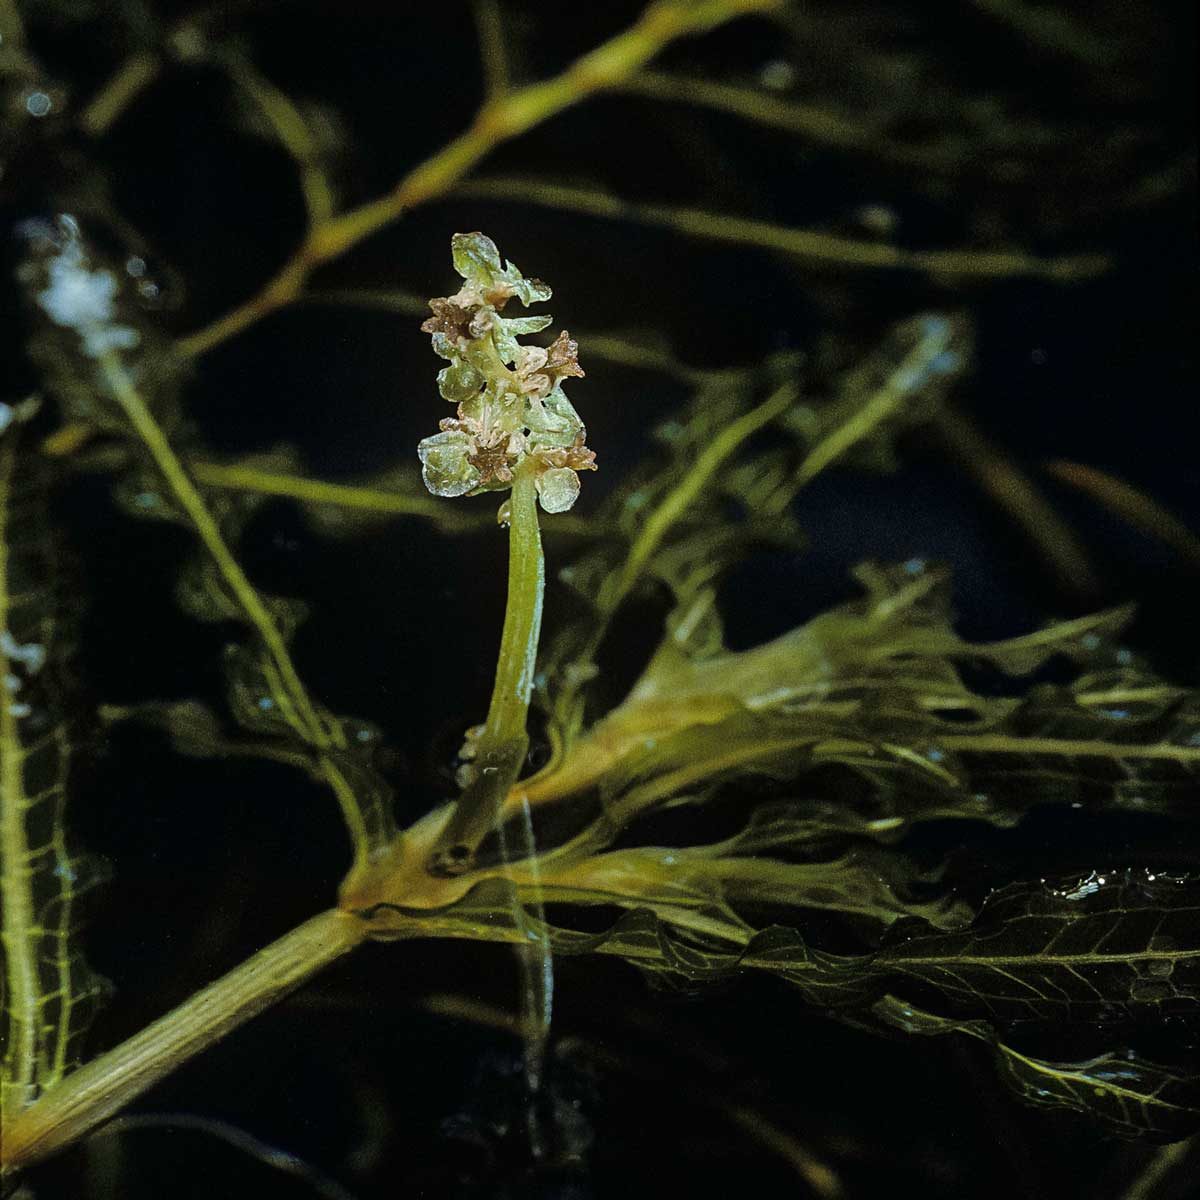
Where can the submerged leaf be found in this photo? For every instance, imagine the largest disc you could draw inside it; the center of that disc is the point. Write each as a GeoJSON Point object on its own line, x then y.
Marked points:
{"type": "Point", "coordinates": [1130, 1095]}
{"type": "Point", "coordinates": [696, 508]}
{"type": "Point", "coordinates": [1113, 944]}
{"type": "Point", "coordinates": [1037, 951]}
{"type": "Point", "coordinates": [266, 691]}
{"type": "Point", "coordinates": [1066, 954]}
{"type": "Point", "coordinates": [47, 994]}
{"type": "Point", "coordinates": [878, 688]}
{"type": "Point", "coordinates": [728, 878]}
{"type": "Point", "coordinates": [196, 731]}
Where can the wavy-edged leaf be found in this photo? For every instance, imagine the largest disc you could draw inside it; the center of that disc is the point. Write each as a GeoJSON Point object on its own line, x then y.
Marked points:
{"type": "Point", "coordinates": [47, 993]}
{"type": "Point", "coordinates": [1117, 944]}
{"type": "Point", "coordinates": [687, 885]}
{"type": "Point", "coordinates": [1127, 1093]}
{"type": "Point", "coordinates": [1067, 954]}
{"type": "Point", "coordinates": [195, 730]}
{"type": "Point", "coordinates": [694, 509]}
{"type": "Point", "coordinates": [672, 515]}
{"type": "Point", "coordinates": [1072, 950]}
{"type": "Point", "coordinates": [879, 690]}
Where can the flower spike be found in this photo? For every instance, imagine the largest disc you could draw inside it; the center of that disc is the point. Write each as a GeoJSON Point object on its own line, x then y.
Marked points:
{"type": "Point", "coordinates": [512, 413]}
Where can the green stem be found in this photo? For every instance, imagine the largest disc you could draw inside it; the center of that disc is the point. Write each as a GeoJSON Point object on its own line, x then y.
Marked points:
{"type": "Point", "coordinates": [500, 120]}
{"type": "Point", "coordinates": [677, 502]}
{"type": "Point", "coordinates": [500, 754]}
{"type": "Point", "coordinates": [500, 751]}
{"type": "Point", "coordinates": [322, 736]}
{"type": "Point", "coordinates": [108, 1083]}
{"type": "Point", "coordinates": [806, 245]}
{"type": "Point", "coordinates": [133, 76]}
{"type": "Point", "coordinates": [184, 491]}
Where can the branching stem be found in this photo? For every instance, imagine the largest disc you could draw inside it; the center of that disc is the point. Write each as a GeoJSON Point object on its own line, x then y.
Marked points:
{"type": "Point", "coordinates": [188, 497]}
{"type": "Point", "coordinates": [498, 121]}
{"type": "Point", "coordinates": [808, 246]}
{"type": "Point", "coordinates": [321, 735]}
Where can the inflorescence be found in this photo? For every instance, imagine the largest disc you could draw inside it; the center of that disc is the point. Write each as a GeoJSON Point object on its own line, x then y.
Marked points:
{"type": "Point", "coordinates": [513, 414]}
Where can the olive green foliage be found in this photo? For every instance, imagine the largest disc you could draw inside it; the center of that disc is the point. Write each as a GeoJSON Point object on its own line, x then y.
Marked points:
{"type": "Point", "coordinates": [47, 992]}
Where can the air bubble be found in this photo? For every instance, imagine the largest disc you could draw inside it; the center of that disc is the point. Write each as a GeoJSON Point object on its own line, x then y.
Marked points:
{"type": "Point", "coordinates": [777, 75]}
{"type": "Point", "coordinates": [32, 655]}
{"type": "Point", "coordinates": [935, 328]}
{"type": "Point", "coordinates": [946, 363]}
{"type": "Point", "coordinates": [79, 298]}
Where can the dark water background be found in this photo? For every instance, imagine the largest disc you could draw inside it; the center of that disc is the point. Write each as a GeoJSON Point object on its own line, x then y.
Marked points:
{"type": "Point", "coordinates": [213, 860]}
